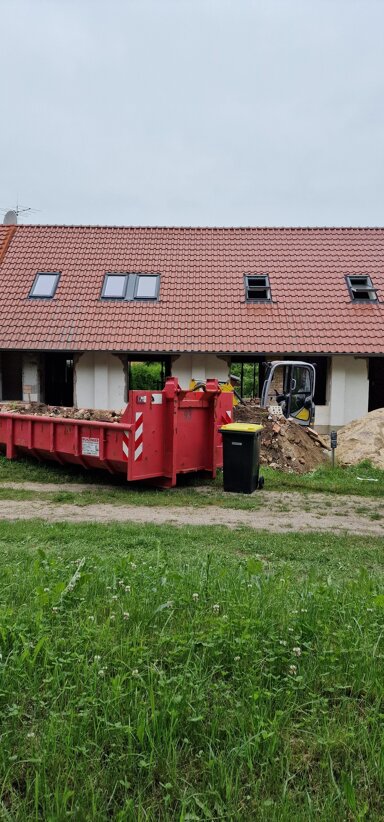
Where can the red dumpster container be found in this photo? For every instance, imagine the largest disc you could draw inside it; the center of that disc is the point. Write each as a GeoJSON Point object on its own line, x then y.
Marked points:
{"type": "Point", "coordinates": [161, 434]}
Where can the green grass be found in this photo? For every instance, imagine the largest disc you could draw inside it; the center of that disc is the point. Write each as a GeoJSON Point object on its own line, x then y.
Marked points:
{"type": "Point", "coordinates": [195, 706]}
{"type": "Point", "coordinates": [192, 490]}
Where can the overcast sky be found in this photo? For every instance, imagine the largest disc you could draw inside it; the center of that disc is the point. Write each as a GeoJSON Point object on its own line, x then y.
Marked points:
{"type": "Point", "coordinates": [193, 112]}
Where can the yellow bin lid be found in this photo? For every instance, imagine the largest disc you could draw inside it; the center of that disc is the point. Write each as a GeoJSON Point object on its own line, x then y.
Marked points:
{"type": "Point", "coordinates": [242, 426]}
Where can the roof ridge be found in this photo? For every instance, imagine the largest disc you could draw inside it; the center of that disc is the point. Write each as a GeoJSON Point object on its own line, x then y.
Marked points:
{"type": "Point", "coordinates": [199, 227]}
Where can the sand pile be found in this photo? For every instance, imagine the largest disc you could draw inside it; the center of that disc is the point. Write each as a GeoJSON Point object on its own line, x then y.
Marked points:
{"type": "Point", "coordinates": [362, 439]}
{"type": "Point", "coordinates": [284, 443]}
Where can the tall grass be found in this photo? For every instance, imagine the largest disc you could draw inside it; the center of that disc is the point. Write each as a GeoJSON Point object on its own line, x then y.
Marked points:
{"type": "Point", "coordinates": [189, 674]}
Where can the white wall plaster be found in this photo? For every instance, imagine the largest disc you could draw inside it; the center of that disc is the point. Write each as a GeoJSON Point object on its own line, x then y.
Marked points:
{"type": "Point", "coordinates": [100, 381]}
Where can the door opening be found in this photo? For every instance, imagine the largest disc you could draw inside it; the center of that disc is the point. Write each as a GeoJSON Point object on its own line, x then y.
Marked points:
{"type": "Point", "coordinates": [58, 379]}
{"type": "Point", "coordinates": [12, 375]}
{"type": "Point", "coordinates": [376, 383]}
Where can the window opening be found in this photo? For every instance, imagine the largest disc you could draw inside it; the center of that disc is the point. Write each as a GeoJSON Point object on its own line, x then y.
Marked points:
{"type": "Point", "coordinates": [251, 376]}
{"type": "Point", "coordinates": [361, 288]}
{"type": "Point", "coordinates": [257, 288]}
{"type": "Point", "coordinates": [45, 285]}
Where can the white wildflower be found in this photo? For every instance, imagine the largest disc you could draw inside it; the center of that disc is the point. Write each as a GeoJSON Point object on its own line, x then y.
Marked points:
{"type": "Point", "coordinates": [97, 658]}
{"type": "Point", "coordinates": [102, 672]}
{"type": "Point", "coordinates": [296, 650]}
{"type": "Point", "coordinates": [30, 735]}
{"type": "Point", "coordinates": [135, 672]}
{"type": "Point", "coordinates": [46, 590]}
{"type": "Point", "coordinates": [282, 642]}
{"type": "Point", "coordinates": [216, 608]}
{"type": "Point", "coordinates": [127, 589]}
{"type": "Point", "coordinates": [125, 615]}
{"type": "Point", "coordinates": [237, 658]}
{"type": "Point", "coordinates": [55, 609]}
{"type": "Point", "coordinates": [112, 616]}
{"type": "Point", "coordinates": [133, 565]}
{"type": "Point", "coordinates": [195, 597]}
{"type": "Point", "coordinates": [292, 670]}
{"type": "Point", "coordinates": [92, 618]}
{"type": "Point", "coordinates": [114, 596]}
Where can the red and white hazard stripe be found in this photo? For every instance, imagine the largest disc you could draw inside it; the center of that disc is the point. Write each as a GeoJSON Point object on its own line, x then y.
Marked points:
{"type": "Point", "coordinates": [126, 444]}
{"type": "Point", "coordinates": [139, 435]}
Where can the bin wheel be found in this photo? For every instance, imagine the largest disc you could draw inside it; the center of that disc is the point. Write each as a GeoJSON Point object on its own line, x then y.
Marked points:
{"type": "Point", "coordinates": [260, 483]}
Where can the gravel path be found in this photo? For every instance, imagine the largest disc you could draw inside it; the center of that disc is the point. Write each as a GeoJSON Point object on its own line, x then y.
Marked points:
{"type": "Point", "coordinates": [275, 512]}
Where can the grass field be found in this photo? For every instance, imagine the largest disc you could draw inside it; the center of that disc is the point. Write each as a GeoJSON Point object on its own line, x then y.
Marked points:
{"type": "Point", "coordinates": [154, 673]}
{"type": "Point", "coordinates": [362, 480]}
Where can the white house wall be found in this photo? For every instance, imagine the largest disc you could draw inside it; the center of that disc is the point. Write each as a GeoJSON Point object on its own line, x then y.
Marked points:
{"type": "Point", "coordinates": [100, 381]}
{"type": "Point", "coordinates": [189, 367]}
{"type": "Point", "coordinates": [349, 389]}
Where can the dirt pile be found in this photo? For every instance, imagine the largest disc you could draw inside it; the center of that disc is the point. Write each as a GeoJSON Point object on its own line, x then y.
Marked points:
{"type": "Point", "coordinates": [362, 439]}
{"type": "Point", "coordinates": [284, 444]}
{"type": "Point", "coordinates": [42, 410]}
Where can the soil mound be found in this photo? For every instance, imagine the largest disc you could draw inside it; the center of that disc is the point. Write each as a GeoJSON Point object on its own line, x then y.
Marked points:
{"type": "Point", "coordinates": [362, 439]}
{"type": "Point", "coordinates": [284, 443]}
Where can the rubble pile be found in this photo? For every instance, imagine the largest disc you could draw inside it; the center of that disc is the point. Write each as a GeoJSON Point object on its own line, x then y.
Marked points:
{"type": "Point", "coordinates": [41, 410]}
{"type": "Point", "coordinates": [284, 444]}
{"type": "Point", "coordinates": [362, 439]}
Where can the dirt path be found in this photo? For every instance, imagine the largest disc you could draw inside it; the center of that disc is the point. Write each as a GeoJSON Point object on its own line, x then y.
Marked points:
{"type": "Point", "coordinates": [273, 512]}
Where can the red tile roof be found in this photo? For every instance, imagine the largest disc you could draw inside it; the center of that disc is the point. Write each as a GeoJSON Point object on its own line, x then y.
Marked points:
{"type": "Point", "coordinates": [202, 303]}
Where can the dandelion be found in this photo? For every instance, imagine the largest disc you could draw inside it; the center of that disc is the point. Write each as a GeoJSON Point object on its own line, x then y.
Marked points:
{"type": "Point", "coordinates": [195, 597]}
{"type": "Point", "coordinates": [125, 615]}
{"type": "Point", "coordinates": [292, 670]}
{"type": "Point", "coordinates": [296, 651]}
{"type": "Point", "coordinates": [216, 608]}
{"type": "Point", "coordinates": [135, 672]}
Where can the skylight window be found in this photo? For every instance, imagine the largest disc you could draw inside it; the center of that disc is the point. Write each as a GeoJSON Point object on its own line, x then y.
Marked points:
{"type": "Point", "coordinates": [257, 288]}
{"type": "Point", "coordinates": [147, 287]}
{"type": "Point", "coordinates": [361, 288]}
{"type": "Point", "coordinates": [130, 287]}
{"type": "Point", "coordinates": [45, 284]}
{"type": "Point", "coordinates": [115, 286]}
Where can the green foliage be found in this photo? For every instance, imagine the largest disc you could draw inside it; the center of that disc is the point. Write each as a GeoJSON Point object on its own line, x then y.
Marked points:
{"type": "Point", "coordinates": [247, 378]}
{"type": "Point", "coordinates": [145, 376]}
{"type": "Point", "coordinates": [152, 673]}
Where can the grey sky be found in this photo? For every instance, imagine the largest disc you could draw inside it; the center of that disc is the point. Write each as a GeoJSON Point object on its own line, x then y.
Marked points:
{"type": "Point", "coordinates": [193, 112]}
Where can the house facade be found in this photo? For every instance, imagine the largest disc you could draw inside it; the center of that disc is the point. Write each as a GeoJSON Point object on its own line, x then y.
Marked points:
{"type": "Point", "coordinates": [79, 304]}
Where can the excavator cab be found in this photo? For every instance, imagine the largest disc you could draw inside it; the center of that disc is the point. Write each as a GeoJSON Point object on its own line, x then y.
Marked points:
{"type": "Point", "coordinates": [289, 389]}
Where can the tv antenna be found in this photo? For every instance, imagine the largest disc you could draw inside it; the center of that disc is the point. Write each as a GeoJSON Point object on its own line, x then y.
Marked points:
{"type": "Point", "coordinates": [11, 215]}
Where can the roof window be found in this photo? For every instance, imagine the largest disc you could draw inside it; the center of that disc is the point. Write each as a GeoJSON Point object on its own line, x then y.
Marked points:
{"type": "Point", "coordinates": [361, 288]}
{"type": "Point", "coordinates": [257, 288]}
{"type": "Point", "coordinates": [130, 287]}
{"type": "Point", "coordinates": [45, 284]}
